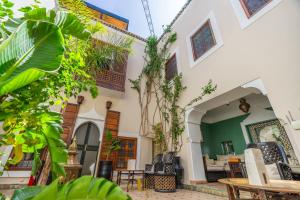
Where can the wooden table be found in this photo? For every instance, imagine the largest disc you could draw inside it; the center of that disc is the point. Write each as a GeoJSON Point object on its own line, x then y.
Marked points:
{"type": "Point", "coordinates": [131, 176]}
{"type": "Point", "coordinates": [277, 186]}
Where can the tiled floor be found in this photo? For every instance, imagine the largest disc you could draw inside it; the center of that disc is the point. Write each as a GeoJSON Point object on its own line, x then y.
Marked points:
{"type": "Point", "coordinates": [179, 195]}
{"type": "Point", "coordinates": [151, 195]}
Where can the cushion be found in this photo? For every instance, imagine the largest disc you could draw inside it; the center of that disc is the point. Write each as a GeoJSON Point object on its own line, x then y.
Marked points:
{"type": "Point", "coordinates": [220, 162]}
{"type": "Point", "coordinates": [220, 157]}
{"type": "Point", "coordinates": [273, 171]}
{"type": "Point", "coordinates": [210, 161]}
{"type": "Point", "coordinates": [223, 157]}
{"type": "Point", "coordinates": [215, 168]}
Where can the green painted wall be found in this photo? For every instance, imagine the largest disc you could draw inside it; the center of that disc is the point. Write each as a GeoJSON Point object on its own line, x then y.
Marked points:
{"type": "Point", "coordinates": [227, 130]}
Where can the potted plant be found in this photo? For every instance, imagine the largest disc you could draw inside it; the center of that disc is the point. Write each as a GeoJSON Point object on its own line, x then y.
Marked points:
{"type": "Point", "coordinates": [106, 166]}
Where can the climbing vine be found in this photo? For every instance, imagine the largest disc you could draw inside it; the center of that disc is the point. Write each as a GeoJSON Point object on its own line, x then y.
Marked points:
{"type": "Point", "coordinates": [167, 119]}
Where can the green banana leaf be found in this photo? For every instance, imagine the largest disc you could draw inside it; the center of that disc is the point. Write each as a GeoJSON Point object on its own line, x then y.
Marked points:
{"type": "Point", "coordinates": [57, 148]}
{"type": "Point", "coordinates": [68, 22]}
{"type": "Point", "coordinates": [26, 193]}
{"type": "Point", "coordinates": [85, 187]}
{"type": "Point", "coordinates": [34, 48]}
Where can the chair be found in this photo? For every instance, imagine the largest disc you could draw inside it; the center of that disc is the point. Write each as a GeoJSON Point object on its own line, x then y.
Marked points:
{"type": "Point", "coordinates": [165, 180]}
{"type": "Point", "coordinates": [169, 163]}
{"type": "Point", "coordinates": [244, 170]}
{"type": "Point", "coordinates": [285, 171]}
{"type": "Point", "coordinates": [274, 153]}
{"type": "Point", "coordinates": [271, 152]}
{"type": "Point", "coordinates": [157, 164]}
{"type": "Point", "coordinates": [235, 169]}
{"type": "Point", "coordinates": [150, 169]}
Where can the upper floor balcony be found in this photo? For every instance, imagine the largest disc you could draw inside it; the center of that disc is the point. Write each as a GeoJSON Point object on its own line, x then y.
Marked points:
{"type": "Point", "coordinates": [113, 78]}
{"type": "Point", "coordinates": [111, 63]}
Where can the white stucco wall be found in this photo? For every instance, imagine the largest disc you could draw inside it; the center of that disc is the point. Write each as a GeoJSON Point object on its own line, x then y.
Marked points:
{"type": "Point", "coordinates": [267, 49]}
{"type": "Point", "coordinates": [127, 104]}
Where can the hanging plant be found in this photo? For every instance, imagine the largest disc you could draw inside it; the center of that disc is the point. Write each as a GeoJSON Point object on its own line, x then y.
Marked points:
{"type": "Point", "coordinates": [167, 121]}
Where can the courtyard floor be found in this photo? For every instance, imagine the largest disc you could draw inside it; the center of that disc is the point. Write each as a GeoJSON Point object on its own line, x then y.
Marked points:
{"type": "Point", "coordinates": [179, 195]}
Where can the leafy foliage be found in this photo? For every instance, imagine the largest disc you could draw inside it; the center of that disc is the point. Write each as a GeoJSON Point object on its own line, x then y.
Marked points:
{"type": "Point", "coordinates": [5, 12]}
{"type": "Point", "coordinates": [170, 126]}
{"type": "Point", "coordinates": [85, 187]}
{"type": "Point", "coordinates": [114, 144]}
{"type": "Point", "coordinates": [26, 106]}
{"type": "Point", "coordinates": [24, 55]}
{"type": "Point", "coordinates": [29, 124]}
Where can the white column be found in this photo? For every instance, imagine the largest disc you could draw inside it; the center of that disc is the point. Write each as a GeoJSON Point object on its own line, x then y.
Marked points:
{"type": "Point", "coordinates": [194, 152]}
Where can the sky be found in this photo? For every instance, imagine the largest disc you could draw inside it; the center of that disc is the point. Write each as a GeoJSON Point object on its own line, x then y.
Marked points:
{"type": "Point", "coordinates": [163, 12]}
{"type": "Point", "coordinates": [22, 3]}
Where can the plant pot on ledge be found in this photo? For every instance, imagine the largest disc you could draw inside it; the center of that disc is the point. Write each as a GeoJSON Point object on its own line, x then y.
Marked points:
{"type": "Point", "coordinates": [106, 166]}
{"type": "Point", "coordinates": [106, 169]}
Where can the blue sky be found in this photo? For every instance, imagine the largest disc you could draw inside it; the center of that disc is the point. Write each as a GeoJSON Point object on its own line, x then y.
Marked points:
{"type": "Point", "coordinates": [163, 12]}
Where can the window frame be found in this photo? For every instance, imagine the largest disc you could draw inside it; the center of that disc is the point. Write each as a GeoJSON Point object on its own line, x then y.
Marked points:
{"type": "Point", "coordinates": [126, 157]}
{"type": "Point", "coordinates": [174, 55]}
{"type": "Point", "coordinates": [242, 16]}
{"type": "Point", "coordinates": [207, 23]}
{"type": "Point", "coordinates": [216, 33]}
{"type": "Point", "coordinates": [247, 10]}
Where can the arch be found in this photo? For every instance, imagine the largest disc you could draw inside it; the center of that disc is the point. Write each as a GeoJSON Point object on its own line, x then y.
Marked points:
{"type": "Point", "coordinates": [193, 121]}
{"type": "Point", "coordinates": [88, 142]}
{"type": "Point", "coordinates": [85, 123]}
{"type": "Point", "coordinates": [194, 138]}
{"type": "Point", "coordinates": [257, 84]}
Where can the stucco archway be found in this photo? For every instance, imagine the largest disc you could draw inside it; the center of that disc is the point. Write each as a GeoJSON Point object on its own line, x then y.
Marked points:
{"type": "Point", "coordinates": [192, 150]}
{"type": "Point", "coordinates": [194, 138]}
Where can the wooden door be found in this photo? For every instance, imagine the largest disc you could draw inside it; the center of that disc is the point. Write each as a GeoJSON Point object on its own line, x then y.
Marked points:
{"type": "Point", "coordinates": [87, 136]}
{"type": "Point", "coordinates": [112, 124]}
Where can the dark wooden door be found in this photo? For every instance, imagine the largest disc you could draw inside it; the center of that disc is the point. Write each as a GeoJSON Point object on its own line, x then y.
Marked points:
{"type": "Point", "coordinates": [112, 124]}
{"type": "Point", "coordinates": [87, 136]}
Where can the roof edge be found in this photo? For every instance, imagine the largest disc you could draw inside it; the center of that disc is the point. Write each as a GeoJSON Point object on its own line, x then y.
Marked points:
{"type": "Point", "coordinates": [121, 30]}
{"type": "Point", "coordinates": [92, 6]}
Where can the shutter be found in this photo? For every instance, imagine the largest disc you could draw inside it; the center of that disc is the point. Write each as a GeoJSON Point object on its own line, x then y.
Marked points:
{"type": "Point", "coordinates": [70, 114]}
{"type": "Point", "coordinates": [112, 122]}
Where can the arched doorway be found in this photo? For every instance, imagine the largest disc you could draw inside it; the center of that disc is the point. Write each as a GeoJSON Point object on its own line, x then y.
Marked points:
{"type": "Point", "coordinates": [88, 145]}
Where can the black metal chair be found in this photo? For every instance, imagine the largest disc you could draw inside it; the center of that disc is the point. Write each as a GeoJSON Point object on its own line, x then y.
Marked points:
{"type": "Point", "coordinates": [271, 152]}
{"type": "Point", "coordinates": [243, 169]}
{"type": "Point", "coordinates": [274, 153]}
{"type": "Point", "coordinates": [285, 171]}
{"type": "Point", "coordinates": [165, 180]}
{"type": "Point", "coordinates": [151, 169]}
{"type": "Point", "coordinates": [169, 163]}
{"type": "Point", "coordinates": [157, 164]}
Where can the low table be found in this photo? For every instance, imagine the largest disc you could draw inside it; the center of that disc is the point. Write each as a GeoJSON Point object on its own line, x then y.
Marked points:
{"type": "Point", "coordinates": [277, 186]}
{"type": "Point", "coordinates": [131, 176]}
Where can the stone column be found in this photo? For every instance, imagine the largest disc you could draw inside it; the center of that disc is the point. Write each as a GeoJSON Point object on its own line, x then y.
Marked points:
{"type": "Point", "coordinates": [194, 152]}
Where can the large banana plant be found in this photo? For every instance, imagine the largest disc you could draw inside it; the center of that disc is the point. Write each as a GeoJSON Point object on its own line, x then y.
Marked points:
{"type": "Point", "coordinates": [36, 47]}
{"type": "Point", "coordinates": [85, 187]}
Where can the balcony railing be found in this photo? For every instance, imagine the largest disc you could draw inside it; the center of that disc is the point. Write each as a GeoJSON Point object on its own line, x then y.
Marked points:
{"type": "Point", "coordinates": [111, 80]}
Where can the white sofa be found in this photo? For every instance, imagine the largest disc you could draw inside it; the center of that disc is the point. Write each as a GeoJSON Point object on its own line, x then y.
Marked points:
{"type": "Point", "coordinates": [221, 164]}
